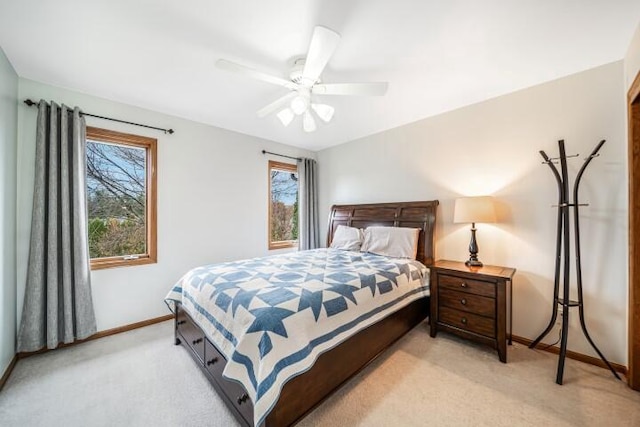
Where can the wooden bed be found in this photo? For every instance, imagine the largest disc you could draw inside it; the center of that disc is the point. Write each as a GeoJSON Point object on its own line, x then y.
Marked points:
{"type": "Point", "coordinates": [303, 393]}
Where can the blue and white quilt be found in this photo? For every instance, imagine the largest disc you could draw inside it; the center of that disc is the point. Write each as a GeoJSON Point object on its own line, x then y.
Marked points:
{"type": "Point", "coordinates": [272, 317]}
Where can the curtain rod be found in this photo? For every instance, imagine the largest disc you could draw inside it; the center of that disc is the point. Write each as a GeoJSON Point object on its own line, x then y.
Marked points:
{"type": "Point", "coordinates": [281, 155]}
{"type": "Point", "coordinates": [30, 103]}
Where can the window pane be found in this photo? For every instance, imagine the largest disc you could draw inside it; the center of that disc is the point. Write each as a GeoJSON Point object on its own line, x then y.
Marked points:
{"type": "Point", "coordinates": [116, 197]}
{"type": "Point", "coordinates": [284, 205]}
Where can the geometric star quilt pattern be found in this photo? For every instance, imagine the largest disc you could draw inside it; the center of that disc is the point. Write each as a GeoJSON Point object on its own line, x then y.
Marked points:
{"type": "Point", "coordinates": [272, 316]}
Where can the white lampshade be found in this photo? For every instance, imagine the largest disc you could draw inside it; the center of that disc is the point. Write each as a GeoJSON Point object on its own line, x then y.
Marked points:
{"type": "Point", "coordinates": [324, 111]}
{"type": "Point", "coordinates": [299, 105]}
{"type": "Point", "coordinates": [286, 116]}
{"type": "Point", "coordinates": [308, 123]}
{"type": "Point", "coordinates": [474, 209]}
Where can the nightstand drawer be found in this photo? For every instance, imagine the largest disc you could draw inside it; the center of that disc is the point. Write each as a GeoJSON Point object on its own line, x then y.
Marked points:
{"type": "Point", "coordinates": [467, 321]}
{"type": "Point", "coordinates": [470, 303]}
{"type": "Point", "coordinates": [477, 287]}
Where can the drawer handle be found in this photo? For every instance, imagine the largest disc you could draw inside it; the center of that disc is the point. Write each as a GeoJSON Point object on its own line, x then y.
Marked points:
{"type": "Point", "coordinates": [464, 320]}
{"type": "Point", "coordinates": [463, 285]}
{"type": "Point", "coordinates": [243, 399]}
{"type": "Point", "coordinates": [197, 341]}
{"type": "Point", "coordinates": [212, 361]}
{"type": "Point", "coordinates": [181, 322]}
{"type": "Point", "coordinates": [463, 301]}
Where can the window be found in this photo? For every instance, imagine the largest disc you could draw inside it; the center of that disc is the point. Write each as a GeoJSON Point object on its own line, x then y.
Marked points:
{"type": "Point", "coordinates": [121, 198]}
{"type": "Point", "coordinates": [283, 205]}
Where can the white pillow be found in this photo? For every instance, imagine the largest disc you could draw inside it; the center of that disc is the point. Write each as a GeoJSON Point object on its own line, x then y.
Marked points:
{"type": "Point", "coordinates": [347, 238]}
{"type": "Point", "coordinates": [396, 242]}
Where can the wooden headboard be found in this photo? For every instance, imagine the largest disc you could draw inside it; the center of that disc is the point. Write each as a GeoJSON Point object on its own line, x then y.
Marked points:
{"type": "Point", "coordinates": [420, 215]}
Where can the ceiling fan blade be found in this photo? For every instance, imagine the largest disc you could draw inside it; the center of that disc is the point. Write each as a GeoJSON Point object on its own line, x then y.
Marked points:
{"type": "Point", "coordinates": [223, 64]}
{"type": "Point", "coordinates": [276, 104]}
{"type": "Point", "coordinates": [323, 43]}
{"type": "Point", "coordinates": [361, 89]}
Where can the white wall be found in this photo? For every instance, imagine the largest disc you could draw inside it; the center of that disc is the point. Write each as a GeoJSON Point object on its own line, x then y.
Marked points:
{"type": "Point", "coordinates": [8, 112]}
{"type": "Point", "coordinates": [492, 148]}
{"type": "Point", "coordinates": [212, 201]}
{"type": "Point", "coordinates": [632, 59]}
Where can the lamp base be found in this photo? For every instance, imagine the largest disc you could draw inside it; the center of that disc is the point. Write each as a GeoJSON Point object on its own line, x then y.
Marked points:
{"type": "Point", "coordinates": [473, 249]}
{"type": "Point", "coordinates": [473, 263]}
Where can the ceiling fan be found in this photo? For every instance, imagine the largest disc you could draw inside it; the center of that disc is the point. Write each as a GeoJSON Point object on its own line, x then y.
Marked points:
{"type": "Point", "coordinates": [304, 83]}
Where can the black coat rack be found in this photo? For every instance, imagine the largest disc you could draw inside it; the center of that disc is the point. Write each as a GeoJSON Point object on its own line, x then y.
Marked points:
{"type": "Point", "coordinates": [563, 249]}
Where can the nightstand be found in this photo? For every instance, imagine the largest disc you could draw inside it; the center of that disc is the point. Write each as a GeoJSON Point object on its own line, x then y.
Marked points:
{"type": "Point", "coordinates": [472, 302]}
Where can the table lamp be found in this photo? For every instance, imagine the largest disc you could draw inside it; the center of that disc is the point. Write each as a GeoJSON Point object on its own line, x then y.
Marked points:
{"type": "Point", "coordinates": [474, 209]}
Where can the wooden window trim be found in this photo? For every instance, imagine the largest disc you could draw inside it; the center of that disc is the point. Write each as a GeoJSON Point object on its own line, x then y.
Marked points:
{"type": "Point", "coordinates": [633, 111]}
{"type": "Point", "coordinates": [290, 167]}
{"type": "Point", "coordinates": [151, 147]}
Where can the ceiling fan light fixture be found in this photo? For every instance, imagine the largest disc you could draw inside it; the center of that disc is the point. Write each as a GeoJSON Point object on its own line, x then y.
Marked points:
{"type": "Point", "coordinates": [299, 105]}
{"type": "Point", "coordinates": [305, 82]}
{"type": "Point", "coordinates": [286, 116]}
{"type": "Point", "coordinates": [324, 111]}
{"type": "Point", "coordinates": [308, 123]}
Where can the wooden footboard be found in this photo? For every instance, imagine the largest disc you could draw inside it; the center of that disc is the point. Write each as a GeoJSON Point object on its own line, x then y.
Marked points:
{"type": "Point", "coordinates": [306, 391]}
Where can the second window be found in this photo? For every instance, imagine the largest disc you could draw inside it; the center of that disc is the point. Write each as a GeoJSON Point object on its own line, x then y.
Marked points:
{"type": "Point", "coordinates": [283, 205]}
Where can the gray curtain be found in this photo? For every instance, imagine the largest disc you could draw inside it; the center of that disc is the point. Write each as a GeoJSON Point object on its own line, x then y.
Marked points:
{"type": "Point", "coordinates": [309, 234]}
{"type": "Point", "coordinates": [57, 303]}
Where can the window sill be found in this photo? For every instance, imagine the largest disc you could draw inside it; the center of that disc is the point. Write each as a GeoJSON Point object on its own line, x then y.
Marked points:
{"type": "Point", "coordinates": [114, 262]}
{"type": "Point", "coordinates": [288, 244]}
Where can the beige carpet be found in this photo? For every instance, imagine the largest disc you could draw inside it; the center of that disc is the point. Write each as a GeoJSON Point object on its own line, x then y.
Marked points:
{"type": "Point", "coordinates": [140, 378]}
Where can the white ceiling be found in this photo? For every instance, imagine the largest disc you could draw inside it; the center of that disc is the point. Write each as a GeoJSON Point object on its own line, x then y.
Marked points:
{"type": "Point", "coordinates": [436, 55]}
